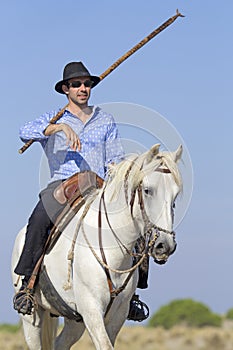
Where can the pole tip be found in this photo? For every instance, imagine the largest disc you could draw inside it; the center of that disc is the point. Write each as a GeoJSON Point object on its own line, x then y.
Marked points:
{"type": "Point", "coordinates": [179, 14]}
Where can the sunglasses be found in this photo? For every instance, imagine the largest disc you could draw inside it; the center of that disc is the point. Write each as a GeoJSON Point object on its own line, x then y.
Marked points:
{"type": "Point", "coordinates": [78, 83]}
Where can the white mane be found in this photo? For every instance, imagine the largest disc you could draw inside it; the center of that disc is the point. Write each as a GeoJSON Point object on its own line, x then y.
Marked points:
{"type": "Point", "coordinates": [139, 167]}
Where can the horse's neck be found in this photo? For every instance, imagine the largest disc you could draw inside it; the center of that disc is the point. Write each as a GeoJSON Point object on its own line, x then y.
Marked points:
{"type": "Point", "coordinates": [116, 216]}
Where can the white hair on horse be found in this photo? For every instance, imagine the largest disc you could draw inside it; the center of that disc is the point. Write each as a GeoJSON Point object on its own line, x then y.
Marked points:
{"type": "Point", "coordinates": [140, 166]}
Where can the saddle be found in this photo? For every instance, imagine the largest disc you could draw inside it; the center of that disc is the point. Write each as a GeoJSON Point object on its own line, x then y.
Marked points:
{"type": "Point", "coordinates": [77, 185]}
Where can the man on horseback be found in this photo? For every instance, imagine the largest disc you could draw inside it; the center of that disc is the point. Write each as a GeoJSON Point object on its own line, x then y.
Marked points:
{"type": "Point", "coordinates": [85, 138]}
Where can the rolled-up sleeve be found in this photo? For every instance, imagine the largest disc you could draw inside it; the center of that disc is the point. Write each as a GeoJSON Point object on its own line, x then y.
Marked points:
{"type": "Point", "coordinates": [114, 151]}
{"type": "Point", "coordinates": [35, 129]}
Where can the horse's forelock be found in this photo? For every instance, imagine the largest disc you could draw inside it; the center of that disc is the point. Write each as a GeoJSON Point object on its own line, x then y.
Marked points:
{"type": "Point", "coordinates": [168, 160]}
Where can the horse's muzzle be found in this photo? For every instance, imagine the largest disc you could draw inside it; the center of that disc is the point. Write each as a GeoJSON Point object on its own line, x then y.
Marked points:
{"type": "Point", "coordinates": [161, 252]}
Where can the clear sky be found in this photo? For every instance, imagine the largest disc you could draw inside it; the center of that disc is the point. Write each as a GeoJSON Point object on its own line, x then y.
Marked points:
{"type": "Point", "coordinates": [185, 74]}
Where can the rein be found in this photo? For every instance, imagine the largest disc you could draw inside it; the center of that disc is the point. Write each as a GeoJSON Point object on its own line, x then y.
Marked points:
{"type": "Point", "coordinates": [149, 229]}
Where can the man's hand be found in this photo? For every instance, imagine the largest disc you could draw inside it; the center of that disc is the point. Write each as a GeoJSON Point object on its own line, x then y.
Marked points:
{"type": "Point", "coordinates": [72, 138]}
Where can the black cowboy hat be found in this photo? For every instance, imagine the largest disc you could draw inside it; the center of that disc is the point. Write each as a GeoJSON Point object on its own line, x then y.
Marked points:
{"type": "Point", "coordinates": [75, 70]}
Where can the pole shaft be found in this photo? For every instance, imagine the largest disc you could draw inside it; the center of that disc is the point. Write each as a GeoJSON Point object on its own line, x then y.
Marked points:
{"type": "Point", "coordinates": [114, 66]}
{"type": "Point", "coordinates": [140, 44]}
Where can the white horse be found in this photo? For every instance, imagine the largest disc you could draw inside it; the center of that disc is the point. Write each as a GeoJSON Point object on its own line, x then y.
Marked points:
{"type": "Point", "coordinates": [89, 277]}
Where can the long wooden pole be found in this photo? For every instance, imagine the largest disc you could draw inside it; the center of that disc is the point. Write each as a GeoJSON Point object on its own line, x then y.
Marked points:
{"type": "Point", "coordinates": [141, 43]}
{"type": "Point", "coordinates": [114, 66]}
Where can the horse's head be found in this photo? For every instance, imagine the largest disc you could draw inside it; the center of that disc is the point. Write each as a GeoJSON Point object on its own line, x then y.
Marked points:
{"type": "Point", "coordinates": [156, 184]}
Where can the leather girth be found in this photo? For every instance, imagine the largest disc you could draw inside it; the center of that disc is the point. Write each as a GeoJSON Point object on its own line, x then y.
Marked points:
{"type": "Point", "coordinates": [54, 299]}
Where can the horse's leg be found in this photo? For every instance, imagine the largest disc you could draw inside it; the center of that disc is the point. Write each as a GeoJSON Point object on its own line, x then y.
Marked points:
{"type": "Point", "coordinates": [32, 328]}
{"type": "Point", "coordinates": [39, 330]}
{"type": "Point", "coordinates": [97, 331]}
{"type": "Point", "coordinates": [49, 330]}
{"type": "Point", "coordinates": [115, 320]}
{"type": "Point", "coordinates": [70, 334]}
{"type": "Point", "coordinates": [32, 335]}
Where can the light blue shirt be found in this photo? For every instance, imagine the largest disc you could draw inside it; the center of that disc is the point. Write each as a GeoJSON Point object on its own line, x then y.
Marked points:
{"type": "Point", "coordinates": [99, 137]}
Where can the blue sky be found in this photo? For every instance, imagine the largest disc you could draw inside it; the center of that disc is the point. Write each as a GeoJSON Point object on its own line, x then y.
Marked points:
{"type": "Point", "coordinates": [185, 74]}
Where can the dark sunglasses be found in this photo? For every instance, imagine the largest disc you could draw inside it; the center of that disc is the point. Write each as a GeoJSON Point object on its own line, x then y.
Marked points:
{"type": "Point", "coordinates": [78, 83]}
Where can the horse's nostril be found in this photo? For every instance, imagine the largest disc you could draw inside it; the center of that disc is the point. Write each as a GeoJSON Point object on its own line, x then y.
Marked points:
{"type": "Point", "coordinates": [160, 247]}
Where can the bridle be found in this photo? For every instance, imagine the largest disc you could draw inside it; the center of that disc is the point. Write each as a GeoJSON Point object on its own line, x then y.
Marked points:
{"type": "Point", "coordinates": [149, 227]}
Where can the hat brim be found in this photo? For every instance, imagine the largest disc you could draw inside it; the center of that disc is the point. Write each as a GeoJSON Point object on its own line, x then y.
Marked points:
{"type": "Point", "coordinates": [58, 86]}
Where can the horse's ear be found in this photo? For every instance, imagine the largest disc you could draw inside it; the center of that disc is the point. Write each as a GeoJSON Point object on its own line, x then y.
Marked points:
{"type": "Point", "coordinates": [152, 152]}
{"type": "Point", "coordinates": [178, 153]}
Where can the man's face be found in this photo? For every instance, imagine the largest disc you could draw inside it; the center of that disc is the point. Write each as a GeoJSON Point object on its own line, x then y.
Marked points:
{"type": "Point", "coordinates": [78, 90]}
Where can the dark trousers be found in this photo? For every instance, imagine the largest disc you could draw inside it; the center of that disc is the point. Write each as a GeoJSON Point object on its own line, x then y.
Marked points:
{"type": "Point", "coordinates": [40, 222]}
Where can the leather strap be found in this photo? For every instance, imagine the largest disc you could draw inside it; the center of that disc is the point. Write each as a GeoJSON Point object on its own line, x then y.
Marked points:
{"type": "Point", "coordinates": [54, 298]}
{"type": "Point", "coordinates": [110, 284]}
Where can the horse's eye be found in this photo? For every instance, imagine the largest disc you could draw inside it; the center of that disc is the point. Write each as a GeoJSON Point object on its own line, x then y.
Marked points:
{"type": "Point", "coordinates": [173, 205]}
{"type": "Point", "coordinates": [148, 191]}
